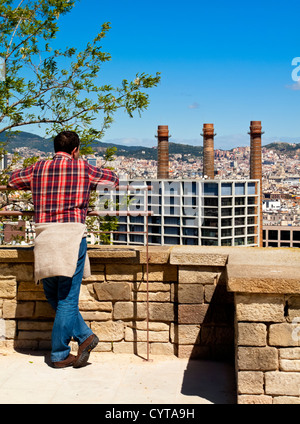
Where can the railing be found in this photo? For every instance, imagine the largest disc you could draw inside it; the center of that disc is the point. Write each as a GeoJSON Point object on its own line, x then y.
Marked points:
{"type": "Point", "coordinates": [95, 213]}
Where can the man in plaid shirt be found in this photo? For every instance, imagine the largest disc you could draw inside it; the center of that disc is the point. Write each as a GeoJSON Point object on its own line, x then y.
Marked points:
{"type": "Point", "coordinates": [61, 191]}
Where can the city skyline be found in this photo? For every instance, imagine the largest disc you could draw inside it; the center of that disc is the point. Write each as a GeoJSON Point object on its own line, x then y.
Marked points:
{"type": "Point", "coordinates": [226, 64]}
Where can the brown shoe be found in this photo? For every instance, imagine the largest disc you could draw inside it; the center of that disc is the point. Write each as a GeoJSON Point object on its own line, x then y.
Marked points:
{"type": "Point", "coordinates": [69, 361]}
{"type": "Point", "coordinates": [84, 351]}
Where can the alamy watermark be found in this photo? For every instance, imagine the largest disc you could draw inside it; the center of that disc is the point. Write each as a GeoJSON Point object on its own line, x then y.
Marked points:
{"type": "Point", "coordinates": [168, 198]}
{"type": "Point", "coordinates": [296, 70]}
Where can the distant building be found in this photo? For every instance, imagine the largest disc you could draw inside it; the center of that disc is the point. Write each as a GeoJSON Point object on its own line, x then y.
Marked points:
{"type": "Point", "coordinates": [281, 236]}
{"type": "Point", "coordinates": [189, 212]}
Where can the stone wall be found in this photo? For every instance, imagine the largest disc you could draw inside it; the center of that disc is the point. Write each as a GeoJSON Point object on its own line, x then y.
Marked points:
{"type": "Point", "coordinates": [236, 303]}
{"type": "Point", "coordinates": [189, 311]}
{"type": "Point", "coordinates": [267, 325]}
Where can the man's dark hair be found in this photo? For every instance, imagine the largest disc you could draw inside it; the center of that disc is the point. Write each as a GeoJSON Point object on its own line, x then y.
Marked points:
{"type": "Point", "coordinates": [66, 141]}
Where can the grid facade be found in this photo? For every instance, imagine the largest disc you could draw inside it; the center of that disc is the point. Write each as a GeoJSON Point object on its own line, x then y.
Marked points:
{"type": "Point", "coordinates": [193, 212]}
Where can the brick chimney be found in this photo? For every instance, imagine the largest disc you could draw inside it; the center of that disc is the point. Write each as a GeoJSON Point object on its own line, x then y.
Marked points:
{"type": "Point", "coordinates": [256, 164]}
{"type": "Point", "coordinates": [163, 151]}
{"type": "Point", "coordinates": [208, 151]}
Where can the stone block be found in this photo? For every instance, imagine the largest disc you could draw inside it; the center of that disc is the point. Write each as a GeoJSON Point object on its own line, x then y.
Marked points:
{"type": "Point", "coordinates": [95, 305]}
{"type": "Point", "coordinates": [153, 297]}
{"type": "Point", "coordinates": [209, 290]}
{"type": "Point", "coordinates": [8, 329]}
{"type": "Point", "coordinates": [43, 310]}
{"type": "Point", "coordinates": [132, 334]}
{"type": "Point", "coordinates": [190, 293]}
{"type": "Point", "coordinates": [254, 400]}
{"type": "Point", "coordinates": [284, 334]}
{"type": "Point", "coordinates": [103, 347]}
{"type": "Point", "coordinates": [35, 325]}
{"type": "Point", "coordinates": [192, 314]}
{"type": "Point", "coordinates": [162, 349]}
{"type": "Point", "coordinates": [156, 255]}
{"type": "Point", "coordinates": [152, 287]}
{"type": "Point", "coordinates": [289, 365]}
{"type": "Point", "coordinates": [26, 344]}
{"type": "Point", "coordinates": [34, 335]}
{"type": "Point", "coordinates": [122, 272]}
{"type": "Point", "coordinates": [25, 286]}
{"type": "Point", "coordinates": [250, 382]}
{"type": "Point", "coordinates": [95, 277]}
{"type": "Point", "coordinates": [8, 287]}
{"type": "Point", "coordinates": [119, 254]}
{"type": "Point", "coordinates": [108, 331]}
{"type": "Point", "coordinates": [282, 383]}
{"type": "Point", "coordinates": [113, 291]}
{"type": "Point", "coordinates": [289, 353]}
{"type": "Point", "coordinates": [294, 309]}
{"type": "Point", "coordinates": [260, 308]}
{"type": "Point", "coordinates": [252, 334]}
{"type": "Point", "coordinates": [87, 292]}
{"type": "Point", "coordinates": [205, 256]}
{"type": "Point", "coordinates": [161, 273]}
{"type": "Point", "coordinates": [96, 268]}
{"type": "Point", "coordinates": [185, 334]}
{"type": "Point", "coordinates": [197, 275]}
{"type": "Point", "coordinates": [14, 309]}
{"type": "Point", "coordinates": [286, 400]}
{"type": "Point", "coordinates": [9, 254]}
{"type": "Point", "coordinates": [257, 358]}
{"type": "Point", "coordinates": [193, 352]}
{"type": "Point", "coordinates": [136, 348]}
{"type": "Point", "coordinates": [7, 346]}
{"type": "Point", "coordinates": [129, 311]}
{"type": "Point", "coordinates": [161, 312]}
{"type": "Point", "coordinates": [31, 295]}
{"type": "Point", "coordinates": [96, 316]}
{"type": "Point", "coordinates": [21, 272]}
{"type": "Point", "coordinates": [153, 326]}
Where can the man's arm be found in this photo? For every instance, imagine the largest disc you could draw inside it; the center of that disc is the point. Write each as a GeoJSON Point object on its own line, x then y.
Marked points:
{"type": "Point", "coordinates": [102, 176]}
{"type": "Point", "coordinates": [21, 179]}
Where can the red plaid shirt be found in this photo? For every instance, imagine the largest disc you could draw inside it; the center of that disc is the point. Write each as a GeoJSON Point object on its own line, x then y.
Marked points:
{"type": "Point", "coordinates": [61, 187]}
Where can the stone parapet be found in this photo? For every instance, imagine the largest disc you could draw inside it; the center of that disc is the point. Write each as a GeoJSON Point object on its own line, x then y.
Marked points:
{"type": "Point", "coordinates": [229, 303]}
{"type": "Point", "coordinates": [182, 293]}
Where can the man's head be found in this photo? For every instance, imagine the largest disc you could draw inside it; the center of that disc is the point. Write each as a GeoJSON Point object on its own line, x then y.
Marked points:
{"type": "Point", "coordinates": [68, 142]}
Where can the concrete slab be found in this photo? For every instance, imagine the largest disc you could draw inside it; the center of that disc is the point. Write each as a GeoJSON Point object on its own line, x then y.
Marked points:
{"type": "Point", "coordinates": [115, 379]}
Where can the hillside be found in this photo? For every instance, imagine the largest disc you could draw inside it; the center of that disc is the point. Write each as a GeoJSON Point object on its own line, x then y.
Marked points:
{"type": "Point", "coordinates": [25, 139]}
{"type": "Point", "coordinates": [32, 141]}
{"type": "Point", "coordinates": [284, 148]}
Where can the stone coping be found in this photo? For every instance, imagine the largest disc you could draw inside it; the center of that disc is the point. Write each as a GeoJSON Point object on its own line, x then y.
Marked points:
{"type": "Point", "coordinates": [249, 269]}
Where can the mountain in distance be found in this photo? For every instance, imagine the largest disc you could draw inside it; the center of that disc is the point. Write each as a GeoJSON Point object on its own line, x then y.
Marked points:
{"type": "Point", "coordinates": [33, 141]}
{"type": "Point", "coordinates": [289, 149]}
{"type": "Point", "coordinates": [26, 139]}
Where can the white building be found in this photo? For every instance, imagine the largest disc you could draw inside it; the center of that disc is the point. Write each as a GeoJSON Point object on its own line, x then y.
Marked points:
{"type": "Point", "coordinates": [193, 212]}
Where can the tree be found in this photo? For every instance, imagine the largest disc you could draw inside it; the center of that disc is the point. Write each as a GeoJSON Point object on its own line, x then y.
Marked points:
{"type": "Point", "coordinates": [58, 88]}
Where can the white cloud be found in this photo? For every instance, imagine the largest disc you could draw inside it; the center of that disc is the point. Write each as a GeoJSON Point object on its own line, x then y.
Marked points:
{"type": "Point", "coordinates": [194, 105]}
{"type": "Point", "coordinates": [294, 87]}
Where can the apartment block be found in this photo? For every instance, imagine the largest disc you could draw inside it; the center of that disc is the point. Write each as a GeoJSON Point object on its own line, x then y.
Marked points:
{"type": "Point", "coordinates": [192, 212]}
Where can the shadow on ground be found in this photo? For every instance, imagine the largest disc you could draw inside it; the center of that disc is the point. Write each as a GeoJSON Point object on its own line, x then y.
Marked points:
{"type": "Point", "coordinates": [211, 380]}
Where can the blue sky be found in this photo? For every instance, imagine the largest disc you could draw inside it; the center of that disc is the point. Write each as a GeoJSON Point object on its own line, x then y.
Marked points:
{"type": "Point", "coordinates": [222, 62]}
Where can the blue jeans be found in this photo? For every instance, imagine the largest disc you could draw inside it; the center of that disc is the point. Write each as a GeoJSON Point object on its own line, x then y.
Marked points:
{"type": "Point", "coordinates": [63, 294]}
